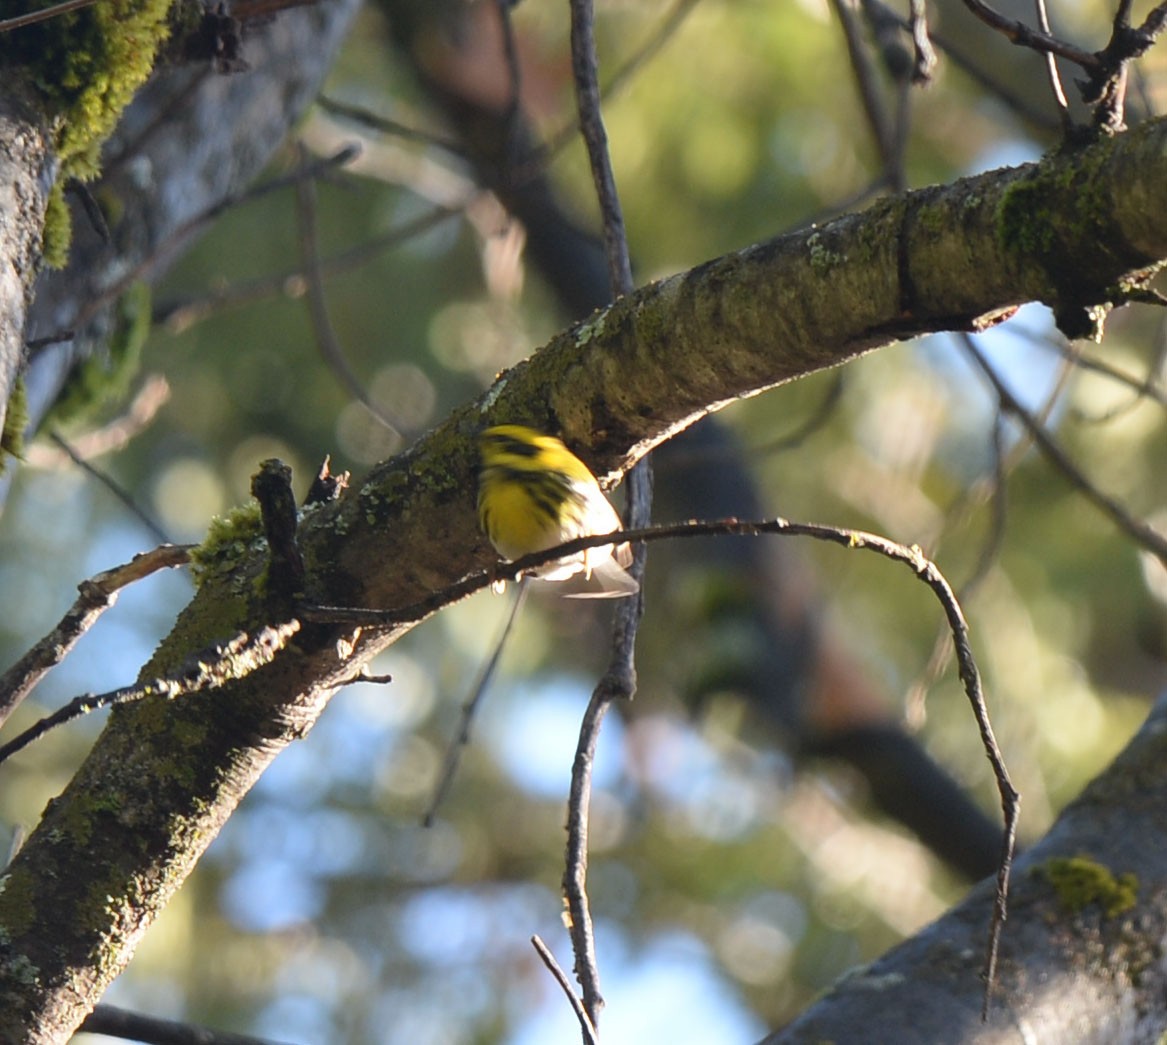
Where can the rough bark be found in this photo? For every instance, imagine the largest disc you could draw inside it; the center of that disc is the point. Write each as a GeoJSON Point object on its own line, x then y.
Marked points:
{"type": "Point", "coordinates": [26, 176]}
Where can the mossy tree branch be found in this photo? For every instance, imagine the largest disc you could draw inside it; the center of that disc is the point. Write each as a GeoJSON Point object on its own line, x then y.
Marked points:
{"type": "Point", "coordinates": [1079, 231]}
{"type": "Point", "coordinates": [67, 81]}
{"type": "Point", "coordinates": [202, 134]}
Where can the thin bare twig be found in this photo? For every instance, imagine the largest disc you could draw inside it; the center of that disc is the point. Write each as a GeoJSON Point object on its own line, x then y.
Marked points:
{"type": "Point", "coordinates": [386, 125]}
{"type": "Point", "coordinates": [870, 94]}
{"type": "Point", "coordinates": [178, 316]}
{"type": "Point", "coordinates": [309, 170]}
{"type": "Point", "coordinates": [79, 191]}
{"type": "Point", "coordinates": [188, 228]}
{"type": "Point", "coordinates": [619, 679]}
{"type": "Point", "coordinates": [925, 56]}
{"type": "Point", "coordinates": [591, 123]}
{"type": "Point", "coordinates": [815, 421]}
{"type": "Point", "coordinates": [792, 440]}
{"type": "Point", "coordinates": [853, 201]}
{"type": "Point", "coordinates": [557, 142]}
{"type": "Point", "coordinates": [1051, 67]}
{"type": "Point", "coordinates": [1021, 34]}
{"type": "Point", "coordinates": [1107, 69]}
{"type": "Point", "coordinates": [672, 20]}
{"type": "Point", "coordinates": [109, 438]}
{"type": "Point", "coordinates": [20, 21]}
{"type": "Point", "coordinates": [956, 513]}
{"type": "Point", "coordinates": [1142, 533]}
{"type": "Point", "coordinates": [470, 707]}
{"type": "Point", "coordinates": [112, 485]}
{"type": "Point", "coordinates": [326, 340]}
{"type": "Point", "coordinates": [97, 595]}
{"type": "Point", "coordinates": [579, 915]}
{"type": "Point", "coordinates": [553, 967]}
{"type": "Point", "coordinates": [1000, 510]}
{"type": "Point", "coordinates": [1111, 88]}
{"type": "Point", "coordinates": [915, 711]}
{"type": "Point", "coordinates": [121, 1023]}
{"type": "Point", "coordinates": [515, 570]}
{"type": "Point", "coordinates": [1149, 386]}
{"type": "Point", "coordinates": [207, 669]}
{"type": "Point", "coordinates": [1020, 104]}
{"type": "Point", "coordinates": [34, 345]}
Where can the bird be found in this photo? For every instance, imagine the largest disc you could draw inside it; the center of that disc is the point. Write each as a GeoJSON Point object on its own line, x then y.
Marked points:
{"type": "Point", "coordinates": [533, 494]}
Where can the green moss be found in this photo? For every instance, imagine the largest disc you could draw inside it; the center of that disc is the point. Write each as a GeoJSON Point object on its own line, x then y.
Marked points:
{"type": "Point", "coordinates": [17, 903]}
{"type": "Point", "coordinates": [1024, 222]}
{"type": "Point", "coordinates": [58, 230]}
{"type": "Point", "coordinates": [79, 819]}
{"type": "Point", "coordinates": [1080, 881]}
{"type": "Point", "coordinates": [15, 424]}
{"type": "Point", "coordinates": [1056, 205]}
{"type": "Point", "coordinates": [229, 539]}
{"type": "Point", "coordinates": [86, 65]}
{"type": "Point", "coordinates": [105, 377]}
{"type": "Point", "coordinates": [934, 220]}
{"type": "Point", "coordinates": [1052, 213]}
{"type": "Point", "coordinates": [185, 17]}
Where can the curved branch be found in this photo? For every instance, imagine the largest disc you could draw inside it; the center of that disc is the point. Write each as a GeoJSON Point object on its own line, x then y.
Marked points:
{"type": "Point", "coordinates": [1024, 36]}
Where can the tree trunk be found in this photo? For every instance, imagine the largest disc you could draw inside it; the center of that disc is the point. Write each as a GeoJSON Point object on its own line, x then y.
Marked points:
{"type": "Point", "coordinates": [26, 176]}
